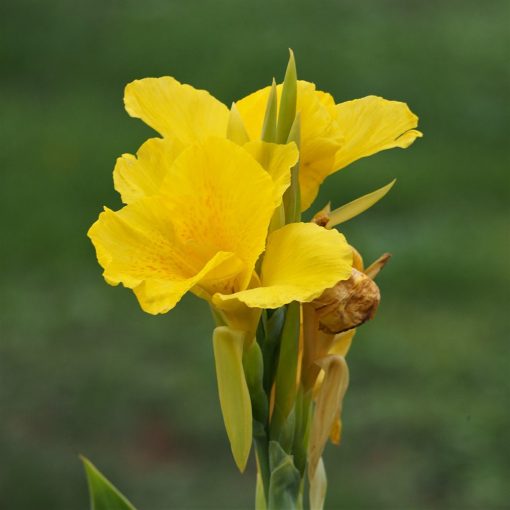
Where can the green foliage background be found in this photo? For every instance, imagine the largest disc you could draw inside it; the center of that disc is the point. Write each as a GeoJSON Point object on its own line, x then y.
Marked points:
{"type": "Point", "coordinates": [83, 370]}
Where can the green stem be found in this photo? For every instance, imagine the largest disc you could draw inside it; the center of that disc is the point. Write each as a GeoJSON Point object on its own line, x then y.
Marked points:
{"type": "Point", "coordinates": [303, 415]}
{"type": "Point", "coordinates": [262, 449]}
{"type": "Point", "coordinates": [285, 380]}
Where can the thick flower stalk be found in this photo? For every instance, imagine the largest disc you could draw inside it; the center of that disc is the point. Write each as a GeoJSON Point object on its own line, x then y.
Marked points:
{"type": "Point", "coordinates": [213, 207]}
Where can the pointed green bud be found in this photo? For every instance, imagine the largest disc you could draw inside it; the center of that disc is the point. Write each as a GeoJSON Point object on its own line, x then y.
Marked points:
{"type": "Point", "coordinates": [269, 126]}
{"type": "Point", "coordinates": [233, 391]}
{"type": "Point", "coordinates": [235, 128]}
{"type": "Point", "coordinates": [103, 495]}
{"type": "Point", "coordinates": [288, 101]}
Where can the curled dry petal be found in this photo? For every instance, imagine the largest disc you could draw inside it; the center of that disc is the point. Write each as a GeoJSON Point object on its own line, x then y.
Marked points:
{"type": "Point", "coordinates": [348, 304]}
{"type": "Point", "coordinates": [329, 402]}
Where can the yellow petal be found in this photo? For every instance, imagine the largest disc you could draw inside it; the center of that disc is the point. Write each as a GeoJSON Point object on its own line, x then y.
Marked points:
{"type": "Point", "coordinates": [221, 199]}
{"type": "Point", "coordinates": [373, 124]}
{"type": "Point", "coordinates": [277, 160]}
{"type": "Point", "coordinates": [233, 391]}
{"type": "Point", "coordinates": [342, 343]}
{"type": "Point", "coordinates": [160, 296]}
{"type": "Point", "coordinates": [301, 260]}
{"type": "Point", "coordinates": [176, 110]}
{"type": "Point", "coordinates": [318, 161]}
{"type": "Point", "coordinates": [134, 244]}
{"type": "Point", "coordinates": [137, 247]}
{"type": "Point", "coordinates": [329, 400]}
{"type": "Point", "coordinates": [357, 260]}
{"type": "Point", "coordinates": [358, 206]}
{"type": "Point", "coordinates": [141, 176]}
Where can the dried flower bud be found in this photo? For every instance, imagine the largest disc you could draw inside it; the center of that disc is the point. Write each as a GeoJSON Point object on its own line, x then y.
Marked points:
{"type": "Point", "coordinates": [321, 219]}
{"type": "Point", "coordinates": [348, 304]}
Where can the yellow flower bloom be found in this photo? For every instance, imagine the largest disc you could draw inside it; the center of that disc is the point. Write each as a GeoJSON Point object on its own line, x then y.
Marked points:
{"type": "Point", "coordinates": [205, 227]}
{"type": "Point", "coordinates": [332, 135]}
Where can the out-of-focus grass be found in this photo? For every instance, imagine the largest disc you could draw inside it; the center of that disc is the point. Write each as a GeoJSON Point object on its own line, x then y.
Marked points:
{"type": "Point", "coordinates": [83, 370]}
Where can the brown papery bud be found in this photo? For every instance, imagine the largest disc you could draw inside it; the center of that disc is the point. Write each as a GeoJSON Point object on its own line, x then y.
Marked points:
{"type": "Point", "coordinates": [348, 304]}
{"type": "Point", "coordinates": [321, 219]}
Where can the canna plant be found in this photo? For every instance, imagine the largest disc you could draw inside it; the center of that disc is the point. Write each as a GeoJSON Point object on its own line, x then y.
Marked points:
{"type": "Point", "coordinates": [213, 207]}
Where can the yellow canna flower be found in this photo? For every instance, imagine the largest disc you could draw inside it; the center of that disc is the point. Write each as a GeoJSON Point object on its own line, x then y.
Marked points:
{"type": "Point", "coordinates": [332, 135]}
{"type": "Point", "coordinates": [205, 227]}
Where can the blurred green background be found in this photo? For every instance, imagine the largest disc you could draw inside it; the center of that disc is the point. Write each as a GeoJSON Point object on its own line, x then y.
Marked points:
{"type": "Point", "coordinates": [83, 370]}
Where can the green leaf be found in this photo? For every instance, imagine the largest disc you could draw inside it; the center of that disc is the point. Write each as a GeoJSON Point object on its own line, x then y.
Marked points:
{"type": "Point", "coordinates": [358, 206]}
{"type": "Point", "coordinates": [273, 330]}
{"type": "Point", "coordinates": [292, 196]}
{"type": "Point", "coordinates": [233, 391]}
{"type": "Point", "coordinates": [288, 101]}
{"type": "Point", "coordinates": [284, 487]}
{"type": "Point", "coordinates": [269, 126]}
{"type": "Point", "coordinates": [303, 421]}
{"type": "Point", "coordinates": [103, 495]}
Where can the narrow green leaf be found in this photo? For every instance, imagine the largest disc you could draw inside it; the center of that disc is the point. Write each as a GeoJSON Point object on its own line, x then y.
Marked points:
{"type": "Point", "coordinates": [286, 373]}
{"type": "Point", "coordinates": [103, 495]}
{"type": "Point", "coordinates": [269, 126]}
{"type": "Point", "coordinates": [233, 391]}
{"type": "Point", "coordinates": [303, 421]}
{"type": "Point", "coordinates": [288, 101]}
{"type": "Point", "coordinates": [292, 196]}
{"type": "Point", "coordinates": [274, 327]}
{"type": "Point", "coordinates": [358, 206]}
